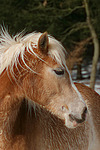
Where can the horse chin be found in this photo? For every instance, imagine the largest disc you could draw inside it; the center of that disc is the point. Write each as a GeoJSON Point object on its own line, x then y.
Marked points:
{"type": "Point", "coordinates": [70, 124]}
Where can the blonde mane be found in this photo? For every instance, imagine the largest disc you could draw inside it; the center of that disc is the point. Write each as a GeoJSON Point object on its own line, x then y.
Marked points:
{"type": "Point", "coordinates": [12, 47]}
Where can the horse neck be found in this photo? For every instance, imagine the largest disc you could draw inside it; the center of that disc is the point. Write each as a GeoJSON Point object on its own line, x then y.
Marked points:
{"type": "Point", "coordinates": [9, 101]}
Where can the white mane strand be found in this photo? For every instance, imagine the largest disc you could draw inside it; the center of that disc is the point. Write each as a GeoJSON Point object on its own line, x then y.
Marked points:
{"type": "Point", "coordinates": [12, 47]}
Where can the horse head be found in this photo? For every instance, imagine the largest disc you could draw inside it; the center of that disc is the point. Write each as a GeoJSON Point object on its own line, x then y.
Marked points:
{"type": "Point", "coordinates": [37, 61]}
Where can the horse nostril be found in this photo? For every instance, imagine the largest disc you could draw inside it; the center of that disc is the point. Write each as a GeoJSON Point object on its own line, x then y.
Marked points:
{"type": "Point", "coordinates": [84, 113]}
{"type": "Point", "coordinates": [65, 107]}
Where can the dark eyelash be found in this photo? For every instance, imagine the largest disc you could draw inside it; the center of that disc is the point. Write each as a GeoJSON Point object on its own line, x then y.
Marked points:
{"type": "Point", "coordinates": [59, 71]}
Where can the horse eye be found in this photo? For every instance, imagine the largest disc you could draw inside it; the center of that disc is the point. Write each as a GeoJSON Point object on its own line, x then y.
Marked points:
{"type": "Point", "coordinates": [59, 71]}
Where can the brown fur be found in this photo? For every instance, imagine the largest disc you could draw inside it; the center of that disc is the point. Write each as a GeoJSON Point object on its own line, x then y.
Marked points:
{"type": "Point", "coordinates": [46, 131]}
{"type": "Point", "coordinates": [34, 108]}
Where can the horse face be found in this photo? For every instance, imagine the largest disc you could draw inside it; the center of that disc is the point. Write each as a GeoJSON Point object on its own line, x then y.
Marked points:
{"type": "Point", "coordinates": [61, 97]}
{"type": "Point", "coordinates": [54, 90]}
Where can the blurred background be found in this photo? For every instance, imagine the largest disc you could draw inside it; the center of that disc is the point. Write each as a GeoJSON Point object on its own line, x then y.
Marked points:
{"type": "Point", "coordinates": [75, 23]}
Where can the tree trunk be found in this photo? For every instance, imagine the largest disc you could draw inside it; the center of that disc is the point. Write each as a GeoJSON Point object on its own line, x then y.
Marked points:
{"type": "Point", "coordinates": [96, 46]}
{"type": "Point", "coordinates": [79, 73]}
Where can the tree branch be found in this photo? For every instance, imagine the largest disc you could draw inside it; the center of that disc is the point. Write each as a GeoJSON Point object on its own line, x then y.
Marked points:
{"type": "Point", "coordinates": [74, 29]}
{"type": "Point", "coordinates": [76, 55]}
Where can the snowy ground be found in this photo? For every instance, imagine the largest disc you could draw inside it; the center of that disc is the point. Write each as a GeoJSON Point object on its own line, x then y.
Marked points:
{"type": "Point", "coordinates": [86, 70]}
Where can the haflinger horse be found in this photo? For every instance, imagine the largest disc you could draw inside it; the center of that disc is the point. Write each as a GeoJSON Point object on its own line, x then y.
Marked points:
{"type": "Point", "coordinates": [40, 106]}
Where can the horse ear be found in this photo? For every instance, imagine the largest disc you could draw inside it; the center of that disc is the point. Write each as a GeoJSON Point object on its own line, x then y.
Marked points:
{"type": "Point", "coordinates": [43, 43]}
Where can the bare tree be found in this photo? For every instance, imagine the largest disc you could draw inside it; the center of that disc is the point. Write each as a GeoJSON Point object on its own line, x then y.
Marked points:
{"type": "Point", "coordinates": [96, 46]}
{"type": "Point", "coordinates": [76, 56]}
